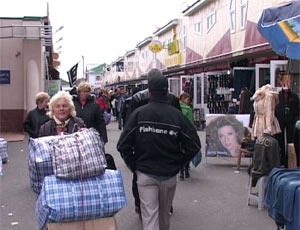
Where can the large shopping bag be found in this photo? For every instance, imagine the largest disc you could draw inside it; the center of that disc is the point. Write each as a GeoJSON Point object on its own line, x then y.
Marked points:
{"type": "Point", "coordinates": [39, 161]}
{"type": "Point", "coordinates": [3, 150]}
{"type": "Point", "coordinates": [78, 155]}
{"type": "Point", "coordinates": [107, 117]}
{"type": "Point", "coordinates": [64, 200]}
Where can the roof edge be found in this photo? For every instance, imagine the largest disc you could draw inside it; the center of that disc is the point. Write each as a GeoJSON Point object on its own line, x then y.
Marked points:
{"type": "Point", "coordinates": [194, 7]}
{"type": "Point", "coordinates": [166, 27]}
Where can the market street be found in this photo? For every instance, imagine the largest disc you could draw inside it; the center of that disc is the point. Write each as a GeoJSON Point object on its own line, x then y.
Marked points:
{"type": "Point", "coordinates": [214, 198]}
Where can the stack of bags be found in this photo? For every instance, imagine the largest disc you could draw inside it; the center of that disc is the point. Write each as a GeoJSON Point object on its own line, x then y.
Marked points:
{"type": "Point", "coordinates": [3, 153]}
{"type": "Point", "coordinates": [69, 174]}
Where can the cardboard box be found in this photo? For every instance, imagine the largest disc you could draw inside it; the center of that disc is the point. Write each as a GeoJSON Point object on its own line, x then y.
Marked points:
{"type": "Point", "coordinates": [108, 223]}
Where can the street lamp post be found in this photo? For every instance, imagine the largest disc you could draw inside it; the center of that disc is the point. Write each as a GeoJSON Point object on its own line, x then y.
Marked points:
{"type": "Point", "coordinates": [58, 40]}
{"type": "Point", "coordinates": [83, 67]}
{"type": "Point", "coordinates": [59, 29]}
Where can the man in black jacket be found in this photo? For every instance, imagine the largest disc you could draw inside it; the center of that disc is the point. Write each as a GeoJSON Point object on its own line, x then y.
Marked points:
{"type": "Point", "coordinates": [88, 110]}
{"type": "Point", "coordinates": [155, 143]}
{"type": "Point", "coordinates": [37, 117]}
{"type": "Point", "coordinates": [139, 99]}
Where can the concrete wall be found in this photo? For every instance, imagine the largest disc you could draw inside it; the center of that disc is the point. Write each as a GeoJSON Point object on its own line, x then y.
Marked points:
{"type": "Point", "coordinates": [24, 59]}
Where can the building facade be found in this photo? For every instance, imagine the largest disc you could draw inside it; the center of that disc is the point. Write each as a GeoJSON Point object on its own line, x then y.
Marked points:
{"type": "Point", "coordinates": [209, 37]}
{"type": "Point", "coordinates": [25, 67]}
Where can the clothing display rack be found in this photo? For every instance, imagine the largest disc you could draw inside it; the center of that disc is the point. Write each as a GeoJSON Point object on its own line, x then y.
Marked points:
{"type": "Point", "coordinates": [219, 94]}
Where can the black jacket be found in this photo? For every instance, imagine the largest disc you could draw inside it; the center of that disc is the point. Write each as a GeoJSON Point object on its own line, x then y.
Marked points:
{"type": "Point", "coordinates": [49, 128]}
{"type": "Point", "coordinates": [287, 111]}
{"type": "Point", "coordinates": [158, 139]}
{"type": "Point", "coordinates": [142, 98]}
{"type": "Point", "coordinates": [266, 157]}
{"type": "Point", "coordinates": [92, 115]}
{"type": "Point", "coordinates": [34, 121]}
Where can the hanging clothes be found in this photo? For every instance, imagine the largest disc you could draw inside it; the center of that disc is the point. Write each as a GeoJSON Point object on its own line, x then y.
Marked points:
{"type": "Point", "coordinates": [245, 102]}
{"type": "Point", "coordinates": [287, 113]}
{"type": "Point", "coordinates": [265, 101]}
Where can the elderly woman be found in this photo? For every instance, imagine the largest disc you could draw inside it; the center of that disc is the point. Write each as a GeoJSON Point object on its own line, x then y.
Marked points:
{"type": "Point", "coordinates": [37, 117]}
{"type": "Point", "coordinates": [225, 134]}
{"type": "Point", "coordinates": [63, 116]}
{"type": "Point", "coordinates": [88, 110]}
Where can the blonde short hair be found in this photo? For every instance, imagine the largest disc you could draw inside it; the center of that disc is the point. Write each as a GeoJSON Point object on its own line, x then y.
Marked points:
{"type": "Point", "coordinates": [61, 95]}
{"type": "Point", "coordinates": [84, 86]}
{"type": "Point", "coordinates": [41, 96]}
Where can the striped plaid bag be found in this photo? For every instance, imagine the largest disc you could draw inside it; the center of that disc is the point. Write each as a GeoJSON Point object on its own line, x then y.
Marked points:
{"type": "Point", "coordinates": [63, 200]}
{"type": "Point", "coordinates": [3, 150]}
{"type": "Point", "coordinates": [78, 155]}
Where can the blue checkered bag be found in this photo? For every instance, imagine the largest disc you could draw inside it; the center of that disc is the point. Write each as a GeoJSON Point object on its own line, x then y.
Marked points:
{"type": "Point", "coordinates": [3, 150]}
{"type": "Point", "coordinates": [78, 155]}
{"type": "Point", "coordinates": [60, 200]}
{"type": "Point", "coordinates": [39, 161]}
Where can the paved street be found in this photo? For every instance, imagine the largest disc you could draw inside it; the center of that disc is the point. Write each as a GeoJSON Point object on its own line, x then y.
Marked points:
{"type": "Point", "coordinates": [214, 198]}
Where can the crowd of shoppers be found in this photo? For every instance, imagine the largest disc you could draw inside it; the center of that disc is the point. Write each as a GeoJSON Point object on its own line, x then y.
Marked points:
{"type": "Point", "coordinates": [159, 136]}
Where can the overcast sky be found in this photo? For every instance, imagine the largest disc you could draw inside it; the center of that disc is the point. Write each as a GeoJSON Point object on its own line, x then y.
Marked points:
{"type": "Point", "coordinates": [98, 30]}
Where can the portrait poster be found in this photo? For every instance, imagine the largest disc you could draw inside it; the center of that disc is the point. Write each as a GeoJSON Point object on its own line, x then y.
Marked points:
{"type": "Point", "coordinates": [224, 135]}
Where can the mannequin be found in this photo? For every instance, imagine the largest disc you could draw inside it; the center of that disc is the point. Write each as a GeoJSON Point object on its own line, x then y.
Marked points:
{"type": "Point", "coordinates": [287, 113]}
{"type": "Point", "coordinates": [266, 156]}
{"type": "Point", "coordinates": [265, 100]}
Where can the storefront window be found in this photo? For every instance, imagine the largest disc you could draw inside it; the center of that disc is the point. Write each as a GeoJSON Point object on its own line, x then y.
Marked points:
{"type": "Point", "coordinates": [174, 87]}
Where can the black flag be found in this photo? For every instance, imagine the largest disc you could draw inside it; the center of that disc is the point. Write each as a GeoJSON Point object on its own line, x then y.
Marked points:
{"type": "Point", "coordinates": [72, 74]}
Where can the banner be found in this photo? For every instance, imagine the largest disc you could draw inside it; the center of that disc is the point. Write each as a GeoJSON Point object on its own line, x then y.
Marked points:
{"type": "Point", "coordinates": [224, 134]}
{"type": "Point", "coordinates": [72, 75]}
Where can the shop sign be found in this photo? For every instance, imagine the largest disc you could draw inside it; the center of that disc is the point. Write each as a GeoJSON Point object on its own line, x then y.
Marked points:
{"type": "Point", "coordinates": [55, 56]}
{"type": "Point", "coordinates": [55, 63]}
{"type": "Point", "coordinates": [173, 47]}
{"type": "Point", "coordinates": [4, 76]}
{"type": "Point", "coordinates": [156, 46]}
{"type": "Point", "coordinates": [174, 60]}
{"type": "Point", "coordinates": [54, 86]}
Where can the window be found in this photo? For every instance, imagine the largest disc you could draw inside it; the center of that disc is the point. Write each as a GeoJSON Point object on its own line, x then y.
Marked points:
{"type": "Point", "coordinates": [211, 21]}
{"type": "Point", "coordinates": [183, 37]}
{"type": "Point", "coordinates": [198, 27]}
{"type": "Point", "coordinates": [232, 16]}
{"type": "Point", "coordinates": [244, 4]}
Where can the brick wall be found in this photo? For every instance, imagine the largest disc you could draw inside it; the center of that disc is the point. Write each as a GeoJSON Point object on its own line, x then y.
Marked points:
{"type": "Point", "coordinates": [12, 120]}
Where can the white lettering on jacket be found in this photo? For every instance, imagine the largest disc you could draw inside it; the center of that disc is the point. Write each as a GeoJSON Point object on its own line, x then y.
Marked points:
{"type": "Point", "coordinates": [148, 129]}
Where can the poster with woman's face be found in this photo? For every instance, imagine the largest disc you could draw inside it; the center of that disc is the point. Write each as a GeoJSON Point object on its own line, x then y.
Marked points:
{"type": "Point", "coordinates": [224, 134]}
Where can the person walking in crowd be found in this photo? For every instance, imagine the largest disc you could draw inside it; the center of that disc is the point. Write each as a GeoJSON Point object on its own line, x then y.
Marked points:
{"type": "Point", "coordinates": [38, 116]}
{"type": "Point", "coordinates": [155, 143]}
{"type": "Point", "coordinates": [120, 99]}
{"type": "Point", "coordinates": [126, 109]}
{"type": "Point", "coordinates": [184, 101]}
{"type": "Point", "coordinates": [63, 116]}
{"type": "Point", "coordinates": [88, 110]}
{"type": "Point", "coordinates": [225, 134]}
{"type": "Point", "coordinates": [99, 98]}
{"type": "Point", "coordinates": [106, 97]}
{"type": "Point", "coordinates": [139, 99]}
